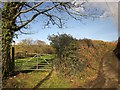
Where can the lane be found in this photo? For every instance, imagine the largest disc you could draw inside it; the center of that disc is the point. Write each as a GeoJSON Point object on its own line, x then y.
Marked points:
{"type": "Point", "coordinates": [99, 81]}
{"type": "Point", "coordinates": [107, 74]}
{"type": "Point", "coordinates": [110, 68]}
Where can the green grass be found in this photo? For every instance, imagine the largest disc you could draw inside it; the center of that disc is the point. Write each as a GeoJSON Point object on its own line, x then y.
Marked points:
{"type": "Point", "coordinates": [56, 81]}
{"type": "Point", "coordinates": [48, 56]}
{"type": "Point", "coordinates": [25, 80]}
{"type": "Point", "coordinates": [27, 63]}
{"type": "Point", "coordinates": [31, 79]}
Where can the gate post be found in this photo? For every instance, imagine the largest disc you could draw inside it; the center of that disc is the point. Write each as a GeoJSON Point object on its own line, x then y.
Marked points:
{"type": "Point", "coordinates": [13, 58]}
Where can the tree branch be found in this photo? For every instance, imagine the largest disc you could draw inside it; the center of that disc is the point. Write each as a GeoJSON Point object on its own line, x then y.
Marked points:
{"type": "Point", "coordinates": [24, 11]}
{"type": "Point", "coordinates": [34, 16]}
{"type": "Point", "coordinates": [53, 21]}
{"type": "Point", "coordinates": [50, 18]}
{"type": "Point", "coordinates": [19, 4]}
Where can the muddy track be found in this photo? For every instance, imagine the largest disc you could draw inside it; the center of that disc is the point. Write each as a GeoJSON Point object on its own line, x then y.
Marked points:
{"type": "Point", "coordinates": [107, 74]}
{"type": "Point", "coordinates": [99, 81]}
{"type": "Point", "coordinates": [111, 71]}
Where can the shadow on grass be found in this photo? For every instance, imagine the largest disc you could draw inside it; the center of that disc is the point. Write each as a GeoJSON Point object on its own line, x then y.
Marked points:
{"type": "Point", "coordinates": [40, 83]}
{"type": "Point", "coordinates": [21, 71]}
{"type": "Point", "coordinates": [27, 71]}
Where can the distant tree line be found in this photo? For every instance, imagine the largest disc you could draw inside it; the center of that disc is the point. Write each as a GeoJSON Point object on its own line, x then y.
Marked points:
{"type": "Point", "coordinates": [29, 48]}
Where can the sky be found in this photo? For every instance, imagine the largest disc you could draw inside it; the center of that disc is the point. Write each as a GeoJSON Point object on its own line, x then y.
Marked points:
{"type": "Point", "coordinates": [98, 29]}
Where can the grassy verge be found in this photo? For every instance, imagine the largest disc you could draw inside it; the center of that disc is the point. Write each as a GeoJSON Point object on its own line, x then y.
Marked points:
{"type": "Point", "coordinates": [57, 80]}
{"type": "Point", "coordinates": [25, 80]}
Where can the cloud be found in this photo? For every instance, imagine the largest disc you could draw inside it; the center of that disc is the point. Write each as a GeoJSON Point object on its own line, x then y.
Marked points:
{"type": "Point", "coordinates": [110, 8]}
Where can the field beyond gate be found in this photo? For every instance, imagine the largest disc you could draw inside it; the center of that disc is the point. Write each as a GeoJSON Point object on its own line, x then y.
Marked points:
{"type": "Point", "coordinates": [38, 62]}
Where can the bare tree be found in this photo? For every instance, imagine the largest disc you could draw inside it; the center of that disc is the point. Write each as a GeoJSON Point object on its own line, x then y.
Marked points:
{"type": "Point", "coordinates": [27, 41]}
{"type": "Point", "coordinates": [39, 42]}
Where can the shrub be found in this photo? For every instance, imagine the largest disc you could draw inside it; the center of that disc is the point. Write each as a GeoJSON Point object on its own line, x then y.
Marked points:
{"type": "Point", "coordinates": [66, 48]}
{"type": "Point", "coordinates": [20, 55]}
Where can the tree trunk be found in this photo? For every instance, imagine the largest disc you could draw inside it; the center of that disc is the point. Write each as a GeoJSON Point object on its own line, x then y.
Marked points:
{"type": "Point", "coordinates": [6, 46]}
{"type": "Point", "coordinates": [117, 49]}
{"type": "Point", "coordinates": [8, 29]}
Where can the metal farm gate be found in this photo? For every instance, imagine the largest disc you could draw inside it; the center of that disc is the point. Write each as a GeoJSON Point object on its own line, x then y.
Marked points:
{"type": "Point", "coordinates": [34, 63]}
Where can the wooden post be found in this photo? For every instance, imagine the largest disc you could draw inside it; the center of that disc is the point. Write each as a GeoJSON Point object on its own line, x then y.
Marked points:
{"type": "Point", "coordinates": [13, 58]}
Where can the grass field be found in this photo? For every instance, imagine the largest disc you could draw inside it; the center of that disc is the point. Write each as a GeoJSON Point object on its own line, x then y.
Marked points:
{"type": "Point", "coordinates": [27, 63]}
{"type": "Point", "coordinates": [25, 80]}
{"type": "Point", "coordinates": [32, 78]}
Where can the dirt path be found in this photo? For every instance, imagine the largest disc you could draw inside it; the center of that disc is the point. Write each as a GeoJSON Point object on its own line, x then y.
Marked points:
{"type": "Point", "coordinates": [108, 73]}
{"type": "Point", "coordinates": [110, 68]}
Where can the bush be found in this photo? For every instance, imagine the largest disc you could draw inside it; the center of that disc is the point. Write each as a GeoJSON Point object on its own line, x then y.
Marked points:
{"type": "Point", "coordinates": [66, 48]}
{"type": "Point", "coordinates": [20, 55]}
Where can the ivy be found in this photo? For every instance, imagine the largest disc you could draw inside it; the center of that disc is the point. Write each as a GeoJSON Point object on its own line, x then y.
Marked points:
{"type": "Point", "coordinates": [8, 27]}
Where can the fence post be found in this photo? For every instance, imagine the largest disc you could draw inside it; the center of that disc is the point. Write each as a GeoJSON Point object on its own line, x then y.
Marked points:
{"type": "Point", "coordinates": [13, 58]}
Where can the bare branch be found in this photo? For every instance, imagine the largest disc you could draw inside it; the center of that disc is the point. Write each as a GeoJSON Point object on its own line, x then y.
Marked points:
{"type": "Point", "coordinates": [33, 8]}
{"type": "Point", "coordinates": [25, 32]}
{"type": "Point", "coordinates": [71, 14]}
{"type": "Point", "coordinates": [17, 6]}
{"type": "Point", "coordinates": [50, 18]}
{"type": "Point", "coordinates": [53, 21]}
{"type": "Point", "coordinates": [20, 8]}
{"type": "Point", "coordinates": [34, 16]}
{"type": "Point", "coordinates": [64, 7]}
{"type": "Point", "coordinates": [20, 20]}
{"type": "Point", "coordinates": [24, 11]}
